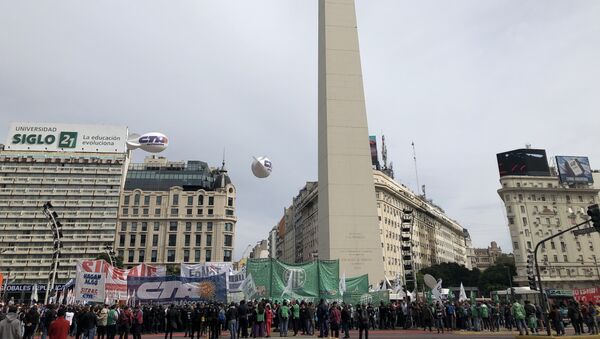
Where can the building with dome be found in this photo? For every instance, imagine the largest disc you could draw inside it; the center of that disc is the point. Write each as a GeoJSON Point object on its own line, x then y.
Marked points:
{"type": "Point", "coordinates": [172, 212]}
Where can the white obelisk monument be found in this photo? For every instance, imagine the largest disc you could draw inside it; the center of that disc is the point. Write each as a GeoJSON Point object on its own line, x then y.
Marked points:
{"type": "Point", "coordinates": [348, 224]}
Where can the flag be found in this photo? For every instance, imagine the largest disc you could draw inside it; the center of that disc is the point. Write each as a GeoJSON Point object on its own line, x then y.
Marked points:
{"type": "Point", "coordinates": [106, 301]}
{"type": "Point", "coordinates": [290, 283]}
{"type": "Point", "coordinates": [342, 285]}
{"type": "Point", "coordinates": [64, 296]}
{"type": "Point", "coordinates": [34, 294]}
{"type": "Point", "coordinates": [472, 297]}
{"type": "Point", "coordinates": [463, 295]}
{"type": "Point", "coordinates": [398, 286]}
{"type": "Point", "coordinates": [436, 292]}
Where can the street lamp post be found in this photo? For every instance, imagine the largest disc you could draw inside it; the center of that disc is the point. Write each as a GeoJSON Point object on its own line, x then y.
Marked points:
{"type": "Point", "coordinates": [57, 233]}
{"type": "Point", "coordinates": [512, 299]}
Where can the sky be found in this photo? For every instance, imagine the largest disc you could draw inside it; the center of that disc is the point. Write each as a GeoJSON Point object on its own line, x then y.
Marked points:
{"type": "Point", "coordinates": [462, 79]}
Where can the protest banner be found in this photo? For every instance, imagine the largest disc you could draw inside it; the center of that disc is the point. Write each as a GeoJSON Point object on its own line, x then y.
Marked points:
{"type": "Point", "coordinates": [171, 289]}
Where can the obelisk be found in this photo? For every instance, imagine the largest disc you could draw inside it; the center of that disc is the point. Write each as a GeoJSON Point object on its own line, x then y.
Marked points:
{"type": "Point", "coordinates": [348, 224]}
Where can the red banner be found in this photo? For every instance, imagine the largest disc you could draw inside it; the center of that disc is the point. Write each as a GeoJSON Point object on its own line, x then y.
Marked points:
{"type": "Point", "coordinates": [585, 295]}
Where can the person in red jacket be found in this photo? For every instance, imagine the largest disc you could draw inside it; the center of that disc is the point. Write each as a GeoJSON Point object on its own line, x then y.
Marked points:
{"type": "Point", "coordinates": [59, 328]}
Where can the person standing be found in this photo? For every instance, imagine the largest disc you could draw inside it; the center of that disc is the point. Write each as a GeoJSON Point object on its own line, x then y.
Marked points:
{"type": "Point", "coordinates": [346, 316]}
{"type": "Point", "coordinates": [59, 328]}
{"type": "Point", "coordinates": [232, 317]}
{"type": "Point", "coordinates": [322, 317]}
{"type": "Point", "coordinates": [268, 319]}
{"type": "Point", "coordinates": [361, 317]}
{"type": "Point", "coordinates": [125, 322]}
{"type": "Point", "coordinates": [518, 313]}
{"type": "Point", "coordinates": [10, 326]}
{"type": "Point", "coordinates": [138, 321]}
{"type": "Point", "coordinates": [88, 322]}
{"type": "Point", "coordinates": [335, 319]}
{"type": "Point", "coordinates": [49, 315]}
{"type": "Point", "coordinates": [260, 320]}
{"type": "Point", "coordinates": [440, 314]}
{"type": "Point", "coordinates": [171, 321]}
{"type": "Point", "coordinates": [102, 321]}
{"type": "Point", "coordinates": [284, 314]}
{"type": "Point", "coordinates": [243, 319]}
{"type": "Point", "coordinates": [32, 320]}
{"type": "Point", "coordinates": [295, 317]}
{"type": "Point", "coordinates": [111, 323]}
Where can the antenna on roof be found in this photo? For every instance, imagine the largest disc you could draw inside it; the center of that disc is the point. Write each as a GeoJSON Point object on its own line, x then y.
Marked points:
{"type": "Point", "coordinates": [416, 168]}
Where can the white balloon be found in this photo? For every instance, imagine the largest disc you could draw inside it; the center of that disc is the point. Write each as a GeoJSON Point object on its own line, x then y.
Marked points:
{"type": "Point", "coordinates": [153, 142]}
{"type": "Point", "coordinates": [261, 167]}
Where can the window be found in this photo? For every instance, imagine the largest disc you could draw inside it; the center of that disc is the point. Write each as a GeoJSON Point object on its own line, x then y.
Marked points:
{"type": "Point", "coordinates": [173, 226]}
{"type": "Point", "coordinates": [555, 258]}
{"type": "Point", "coordinates": [142, 240]}
{"type": "Point", "coordinates": [146, 201]}
{"type": "Point", "coordinates": [172, 239]}
{"type": "Point", "coordinates": [529, 244]}
{"type": "Point", "coordinates": [154, 256]}
{"type": "Point", "coordinates": [130, 256]}
{"type": "Point", "coordinates": [197, 255]}
{"type": "Point", "coordinates": [198, 240]}
{"type": "Point", "coordinates": [565, 258]}
{"type": "Point", "coordinates": [228, 212]}
{"type": "Point", "coordinates": [209, 226]}
{"type": "Point", "coordinates": [228, 227]}
{"type": "Point", "coordinates": [211, 201]}
{"type": "Point", "coordinates": [552, 245]}
{"type": "Point", "coordinates": [157, 211]}
{"type": "Point", "coordinates": [210, 211]}
{"type": "Point", "coordinates": [198, 227]}
{"type": "Point", "coordinates": [520, 197]}
{"type": "Point", "coordinates": [126, 200]}
{"type": "Point", "coordinates": [563, 246]}
{"type": "Point", "coordinates": [580, 198]}
{"type": "Point", "coordinates": [125, 211]}
{"type": "Point", "coordinates": [188, 226]}
{"type": "Point", "coordinates": [132, 240]}
{"type": "Point", "coordinates": [522, 209]}
{"type": "Point", "coordinates": [186, 255]}
{"type": "Point", "coordinates": [136, 199]}
{"type": "Point", "coordinates": [134, 227]}
{"type": "Point", "coordinates": [526, 233]}
{"type": "Point", "coordinates": [508, 209]}
{"type": "Point", "coordinates": [142, 256]}
{"type": "Point", "coordinates": [144, 227]}
{"type": "Point", "coordinates": [187, 240]}
{"type": "Point", "coordinates": [200, 200]}
{"type": "Point", "coordinates": [190, 200]}
{"type": "Point", "coordinates": [227, 255]}
{"type": "Point", "coordinates": [174, 211]}
{"type": "Point", "coordinates": [171, 255]}
{"type": "Point", "coordinates": [136, 211]}
{"type": "Point", "coordinates": [122, 240]}
{"type": "Point", "coordinates": [175, 199]}
{"type": "Point", "coordinates": [230, 202]}
{"type": "Point", "coordinates": [188, 211]}
{"type": "Point", "coordinates": [159, 200]}
{"type": "Point", "coordinates": [524, 221]}
{"type": "Point", "coordinates": [515, 245]}
{"type": "Point", "coordinates": [208, 256]}
{"type": "Point", "coordinates": [123, 226]}
{"type": "Point", "coordinates": [155, 240]}
{"type": "Point", "coordinates": [156, 226]}
{"type": "Point", "coordinates": [209, 240]}
{"type": "Point", "coordinates": [228, 241]}
{"type": "Point", "coordinates": [145, 211]}
{"type": "Point", "coordinates": [199, 211]}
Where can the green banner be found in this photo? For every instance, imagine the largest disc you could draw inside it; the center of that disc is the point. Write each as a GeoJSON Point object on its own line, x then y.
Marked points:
{"type": "Point", "coordinates": [329, 279]}
{"type": "Point", "coordinates": [358, 284]}
{"type": "Point", "coordinates": [298, 281]}
{"type": "Point", "coordinates": [260, 272]}
{"type": "Point", "coordinates": [373, 298]}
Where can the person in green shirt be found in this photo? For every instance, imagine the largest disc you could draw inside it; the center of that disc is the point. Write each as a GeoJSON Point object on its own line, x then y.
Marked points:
{"type": "Point", "coordinates": [295, 317]}
{"type": "Point", "coordinates": [518, 312]}
{"type": "Point", "coordinates": [111, 322]}
{"type": "Point", "coordinates": [284, 314]}
{"type": "Point", "coordinates": [260, 319]}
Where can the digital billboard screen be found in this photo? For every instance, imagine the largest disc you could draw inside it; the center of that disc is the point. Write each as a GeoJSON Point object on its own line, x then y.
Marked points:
{"type": "Point", "coordinates": [530, 162]}
{"type": "Point", "coordinates": [373, 146]}
{"type": "Point", "coordinates": [574, 170]}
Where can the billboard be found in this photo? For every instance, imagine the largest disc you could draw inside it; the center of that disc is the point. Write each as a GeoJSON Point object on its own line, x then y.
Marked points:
{"type": "Point", "coordinates": [574, 170]}
{"type": "Point", "coordinates": [27, 136]}
{"type": "Point", "coordinates": [373, 146]}
{"type": "Point", "coordinates": [526, 161]}
{"type": "Point", "coordinates": [585, 295]}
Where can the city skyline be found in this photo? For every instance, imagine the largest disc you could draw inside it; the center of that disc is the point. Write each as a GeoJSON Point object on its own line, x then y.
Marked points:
{"type": "Point", "coordinates": [464, 81]}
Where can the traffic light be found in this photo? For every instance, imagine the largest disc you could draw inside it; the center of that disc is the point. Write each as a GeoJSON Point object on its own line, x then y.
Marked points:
{"type": "Point", "coordinates": [531, 272]}
{"type": "Point", "coordinates": [594, 213]}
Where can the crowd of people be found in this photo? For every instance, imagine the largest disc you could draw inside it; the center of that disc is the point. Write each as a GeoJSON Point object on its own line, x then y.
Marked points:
{"type": "Point", "coordinates": [287, 318]}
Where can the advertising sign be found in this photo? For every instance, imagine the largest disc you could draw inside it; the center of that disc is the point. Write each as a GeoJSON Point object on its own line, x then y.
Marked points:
{"type": "Point", "coordinates": [530, 162]}
{"type": "Point", "coordinates": [26, 136]}
{"type": "Point", "coordinates": [172, 289]}
{"type": "Point", "coordinates": [574, 170]}
{"type": "Point", "coordinates": [29, 287]}
{"type": "Point", "coordinates": [585, 295]}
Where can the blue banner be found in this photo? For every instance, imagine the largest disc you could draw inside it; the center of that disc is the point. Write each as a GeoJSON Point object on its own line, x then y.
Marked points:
{"type": "Point", "coordinates": [169, 289]}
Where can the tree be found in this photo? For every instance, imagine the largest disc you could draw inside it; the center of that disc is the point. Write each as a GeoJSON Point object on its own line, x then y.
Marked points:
{"type": "Point", "coordinates": [452, 274]}
{"type": "Point", "coordinates": [496, 277]}
{"type": "Point", "coordinates": [118, 261]}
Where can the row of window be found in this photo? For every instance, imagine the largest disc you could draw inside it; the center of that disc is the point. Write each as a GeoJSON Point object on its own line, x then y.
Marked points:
{"type": "Point", "coordinates": [174, 211]}
{"type": "Point", "coordinates": [174, 200]}
{"type": "Point", "coordinates": [173, 226]}
{"type": "Point", "coordinates": [172, 240]}
{"type": "Point", "coordinates": [141, 256]}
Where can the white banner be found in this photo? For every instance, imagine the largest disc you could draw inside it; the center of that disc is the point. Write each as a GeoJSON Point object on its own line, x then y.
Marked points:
{"type": "Point", "coordinates": [89, 285]}
{"type": "Point", "coordinates": [205, 270]}
{"type": "Point", "coordinates": [235, 281]}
